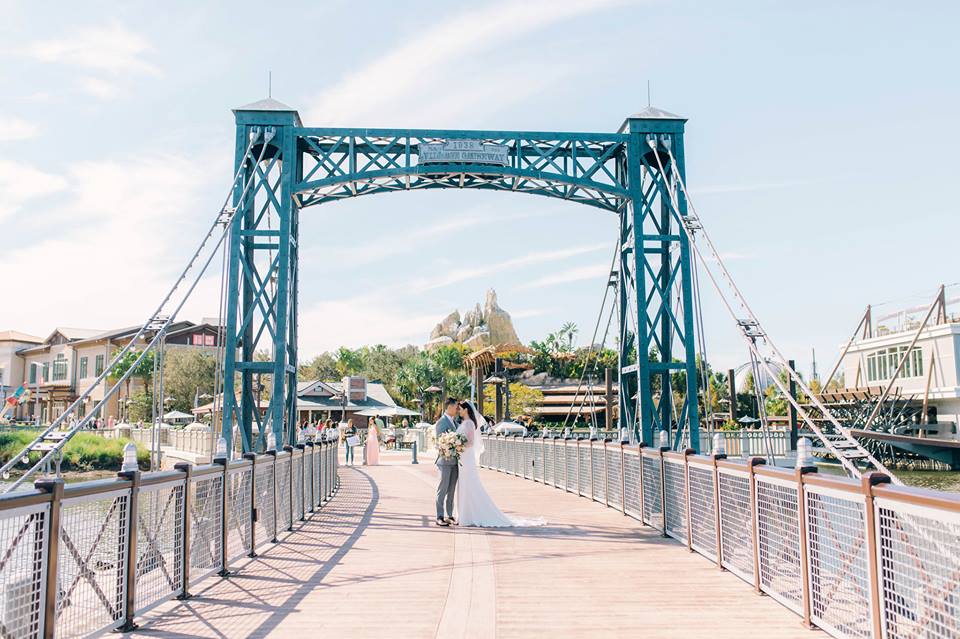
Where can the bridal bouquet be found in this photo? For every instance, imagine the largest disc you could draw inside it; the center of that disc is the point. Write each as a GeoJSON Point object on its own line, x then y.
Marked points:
{"type": "Point", "coordinates": [450, 445]}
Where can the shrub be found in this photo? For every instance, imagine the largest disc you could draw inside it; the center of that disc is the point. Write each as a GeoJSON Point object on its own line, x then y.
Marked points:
{"type": "Point", "coordinates": [84, 452]}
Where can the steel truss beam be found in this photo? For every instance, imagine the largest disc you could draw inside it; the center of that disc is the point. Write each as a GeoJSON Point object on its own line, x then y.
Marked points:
{"type": "Point", "coordinates": [308, 166]}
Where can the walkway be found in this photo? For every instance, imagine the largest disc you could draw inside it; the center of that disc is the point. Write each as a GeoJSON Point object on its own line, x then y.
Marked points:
{"type": "Point", "coordinates": [373, 564]}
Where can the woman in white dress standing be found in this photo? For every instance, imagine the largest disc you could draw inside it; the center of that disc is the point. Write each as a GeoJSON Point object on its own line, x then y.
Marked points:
{"type": "Point", "coordinates": [474, 505]}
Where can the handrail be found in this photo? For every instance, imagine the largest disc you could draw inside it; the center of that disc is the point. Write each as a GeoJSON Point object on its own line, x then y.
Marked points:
{"type": "Point", "coordinates": [818, 544]}
{"type": "Point", "coordinates": [63, 528]}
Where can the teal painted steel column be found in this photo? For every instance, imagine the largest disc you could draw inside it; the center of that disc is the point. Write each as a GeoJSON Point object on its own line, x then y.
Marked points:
{"type": "Point", "coordinates": [262, 280]}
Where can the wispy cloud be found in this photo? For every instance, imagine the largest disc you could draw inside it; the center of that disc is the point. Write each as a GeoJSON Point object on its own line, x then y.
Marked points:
{"type": "Point", "coordinates": [456, 276]}
{"type": "Point", "coordinates": [111, 48]}
{"type": "Point", "coordinates": [431, 58]}
{"type": "Point", "coordinates": [20, 183]}
{"type": "Point", "coordinates": [98, 87]}
{"type": "Point", "coordinates": [15, 128]}
{"type": "Point", "coordinates": [577, 274]}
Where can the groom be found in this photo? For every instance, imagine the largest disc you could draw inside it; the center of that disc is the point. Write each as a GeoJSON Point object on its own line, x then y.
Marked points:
{"type": "Point", "coordinates": [449, 469]}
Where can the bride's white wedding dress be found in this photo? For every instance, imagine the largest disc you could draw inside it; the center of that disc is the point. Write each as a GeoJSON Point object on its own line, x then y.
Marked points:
{"type": "Point", "coordinates": [474, 505]}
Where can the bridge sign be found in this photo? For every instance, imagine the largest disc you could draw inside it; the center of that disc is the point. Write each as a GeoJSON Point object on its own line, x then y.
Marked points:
{"type": "Point", "coordinates": [469, 151]}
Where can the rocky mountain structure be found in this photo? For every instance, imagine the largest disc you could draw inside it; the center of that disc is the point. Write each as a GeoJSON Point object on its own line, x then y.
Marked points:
{"type": "Point", "coordinates": [478, 328]}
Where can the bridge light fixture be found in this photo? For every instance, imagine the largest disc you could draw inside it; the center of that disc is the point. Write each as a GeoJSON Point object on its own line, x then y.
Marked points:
{"type": "Point", "coordinates": [221, 451]}
{"type": "Point", "coordinates": [664, 439]}
{"type": "Point", "coordinates": [719, 444]}
{"type": "Point", "coordinates": [129, 458]}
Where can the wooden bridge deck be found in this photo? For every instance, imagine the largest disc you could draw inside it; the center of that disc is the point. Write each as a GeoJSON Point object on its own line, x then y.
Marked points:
{"type": "Point", "coordinates": [373, 564]}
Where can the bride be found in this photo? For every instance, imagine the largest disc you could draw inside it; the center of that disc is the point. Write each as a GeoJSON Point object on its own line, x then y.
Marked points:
{"type": "Point", "coordinates": [474, 505]}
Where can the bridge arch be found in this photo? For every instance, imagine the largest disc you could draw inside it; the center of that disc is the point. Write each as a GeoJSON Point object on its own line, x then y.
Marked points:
{"type": "Point", "coordinates": [291, 167]}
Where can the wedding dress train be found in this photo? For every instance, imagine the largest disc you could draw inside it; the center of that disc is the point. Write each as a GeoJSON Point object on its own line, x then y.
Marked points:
{"type": "Point", "coordinates": [474, 505]}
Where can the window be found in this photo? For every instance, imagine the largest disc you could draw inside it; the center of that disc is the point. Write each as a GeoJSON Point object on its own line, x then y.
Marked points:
{"type": "Point", "coordinates": [197, 339]}
{"type": "Point", "coordinates": [83, 368]}
{"type": "Point", "coordinates": [45, 376]}
{"type": "Point", "coordinates": [60, 368]}
{"type": "Point", "coordinates": [882, 364]}
{"type": "Point", "coordinates": [33, 373]}
{"type": "Point", "coordinates": [98, 365]}
{"type": "Point", "coordinates": [209, 340]}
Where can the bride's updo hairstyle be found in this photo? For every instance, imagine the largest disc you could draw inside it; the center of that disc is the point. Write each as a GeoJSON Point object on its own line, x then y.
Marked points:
{"type": "Point", "coordinates": [466, 406]}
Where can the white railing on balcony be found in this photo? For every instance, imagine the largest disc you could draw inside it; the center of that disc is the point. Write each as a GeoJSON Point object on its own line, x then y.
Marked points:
{"type": "Point", "coordinates": [856, 558]}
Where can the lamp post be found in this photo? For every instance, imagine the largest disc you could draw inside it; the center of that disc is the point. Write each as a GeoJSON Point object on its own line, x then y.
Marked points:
{"type": "Point", "coordinates": [433, 388]}
{"type": "Point", "coordinates": [36, 401]}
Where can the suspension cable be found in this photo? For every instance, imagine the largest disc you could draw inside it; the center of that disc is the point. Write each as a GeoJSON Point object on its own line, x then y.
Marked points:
{"type": "Point", "coordinates": [596, 329]}
{"type": "Point", "coordinates": [152, 322]}
{"type": "Point", "coordinates": [741, 301]}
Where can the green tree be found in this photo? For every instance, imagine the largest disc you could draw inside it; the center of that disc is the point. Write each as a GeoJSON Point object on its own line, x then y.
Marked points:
{"type": "Point", "coordinates": [142, 371]}
{"type": "Point", "coordinates": [349, 362]}
{"type": "Point", "coordinates": [322, 367]}
{"type": "Point", "coordinates": [187, 371]}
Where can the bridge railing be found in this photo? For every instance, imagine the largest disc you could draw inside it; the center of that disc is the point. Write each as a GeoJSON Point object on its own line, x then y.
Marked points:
{"type": "Point", "coordinates": [81, 559]}
{"type": "Point", "coordinates": [855, 558]}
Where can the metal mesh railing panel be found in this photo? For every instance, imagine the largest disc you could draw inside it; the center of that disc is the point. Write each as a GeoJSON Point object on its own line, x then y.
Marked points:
{"type": "Point", "coordinates": [570, 454]}
{"type": "Point", "coordinates": [838, 563]}
{"type": "Point", "coordinates": [206, 521]}
{"type": "Point", "coordinates": [317, 495]}
{"type": "Point", "coordinates": [614, 489]}
{"type": "Point", "coordinates": [283, 494]}
{"type": "Point", "coordinates": [23, 553]}
{"type": "Point", "coordinates": [238, 518]}
{"type": "Point", "coordinates": [778, 537]}
{"type": "Point", "coordinates": [675, 492]}
{"type": "Point", "coordinates": [736, 524]}
{"type": "Point", "coordinates": [919, 570]}
{"type": "Point", "coordinates": [703, 521]}
{"type": "Point", "coordinates": [631, 484]}
{"type": "Point", "coordinates": [526, 457]}
{"type": "Point", "coordinates": [159, 568]}
{"type": "Point", "coordinates": [266, 515]}
{"type": "Point", "coordinates": [583, 484]}
{"type": "Point", "coordinates": [297, 487]}
{"type": "Point", "coordinates": [537, 469]}
{"type": "Point", "coordinates": [549, 462]}
{"type": "Point", "coordinates": [92, 560]}
{"type": "Point", "coordinates": [652, 501]}
{"type": "Point", "coordinates": [597, 473]}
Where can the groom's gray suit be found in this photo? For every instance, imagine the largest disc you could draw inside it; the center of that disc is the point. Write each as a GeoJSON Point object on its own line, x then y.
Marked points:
{"type": "Point", "coordinates": [449, 470]}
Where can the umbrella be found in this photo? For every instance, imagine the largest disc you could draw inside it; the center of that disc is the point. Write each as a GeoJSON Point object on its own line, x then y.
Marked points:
{"type": "Point", "coordinates": [175, 414]}
{"type": "Point", "coordinates": [386, 411]}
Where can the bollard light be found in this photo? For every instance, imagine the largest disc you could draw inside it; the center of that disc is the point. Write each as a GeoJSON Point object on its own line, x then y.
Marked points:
{"type": "Point", "coordinates": [719, 444]}
{"type": "Point", "coordinates": [804, 453]}
{"type": "Point", "coordinates": [664, 439]}
{"type": "Point", "coordinates": [271, 441]}
{"type": "Point", "coordinates": [221, 450]}
{"type": "Point", "coordinates": [129, 458]}
{"type": "Point", "coordinates": [624, 434]}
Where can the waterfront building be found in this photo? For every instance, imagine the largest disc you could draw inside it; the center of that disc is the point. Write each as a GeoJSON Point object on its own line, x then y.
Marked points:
{"type": "Point", "coordinates": [930, 377]}
{"type": "Point", "coordinates": [65, 364]}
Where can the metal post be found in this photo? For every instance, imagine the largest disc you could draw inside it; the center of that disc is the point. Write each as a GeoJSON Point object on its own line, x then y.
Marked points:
{"type": "Point", "coordinates": [663, 488]}
{"type": "Point", "coordinates": [608, 397]}
{"type": "Point", "coordinates": [224, 517]}
{"type": "Point", "coordinates": [868, 481]}
{"type": "Point", "coordinates": [130, 569]}
{"type": "Point", "coordinates": [686, 498]}
{"type": "Point", "coordinates": [187, 470]}
{"type": "Point", "coordinates": [288, 448]}
{"type": "Point", "coordinates": [716, 506]}
{"type": "Point", "coordinates": [254, 515]}
{"type": "Point", "coordinates": [754, 515]}
{"type": "Point", "coordinates": [623, 480]}
{"type": "Point", "coordinates": [793, 410]}
{"type": "Point", "coordinates": [732, 384]}
{"type": "Point", "coordinates": [312, 500]}
{"type": "Point", "coordinates": [640, 478]}
{"type": "Point", "coordinates": [303, 475]}
{"type": "Point", "coordinates": [51, 567]}
{"type": "Point", "coordinates": [804, 542]}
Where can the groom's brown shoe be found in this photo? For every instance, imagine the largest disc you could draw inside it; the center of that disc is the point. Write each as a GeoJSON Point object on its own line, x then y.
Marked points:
{"type": "Point", "coordinates": [442, 522]}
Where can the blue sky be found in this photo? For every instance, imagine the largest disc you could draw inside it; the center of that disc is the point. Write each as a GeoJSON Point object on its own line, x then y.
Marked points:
{"type": "Point", "coordinates": [821, 151]}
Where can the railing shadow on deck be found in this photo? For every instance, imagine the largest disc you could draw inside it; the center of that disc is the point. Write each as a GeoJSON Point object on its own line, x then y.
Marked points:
{"type": "Point", "coordinates": [317, 547]}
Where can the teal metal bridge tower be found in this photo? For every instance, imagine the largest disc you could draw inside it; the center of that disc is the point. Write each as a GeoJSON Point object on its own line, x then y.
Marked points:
{"type": "Point", "coordinates": [629, 174]}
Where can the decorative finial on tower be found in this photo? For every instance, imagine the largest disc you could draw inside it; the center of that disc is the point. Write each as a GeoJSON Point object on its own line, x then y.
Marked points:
{"type": "Point", "coordinates": [648, 93]}
{"type": "Point", "coordinates": [270, 85]}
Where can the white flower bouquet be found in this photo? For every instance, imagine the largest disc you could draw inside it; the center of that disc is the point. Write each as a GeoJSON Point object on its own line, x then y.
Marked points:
{"type": "Point", "coordinates": [450, 445]}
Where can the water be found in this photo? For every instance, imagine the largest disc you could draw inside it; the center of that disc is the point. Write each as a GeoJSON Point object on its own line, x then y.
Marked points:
{"type": "Point", "coordinates": [948, 481]}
